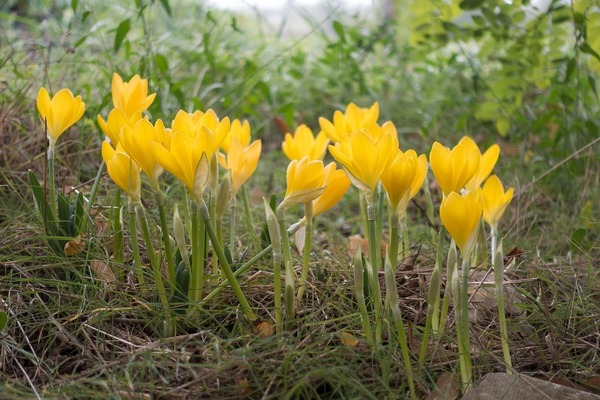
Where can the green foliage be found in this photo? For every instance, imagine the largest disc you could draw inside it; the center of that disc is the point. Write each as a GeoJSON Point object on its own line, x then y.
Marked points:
{"type": "Point", "coordinates": [70, 216]}
{"type": "Point", "coordinates": [3, 320]}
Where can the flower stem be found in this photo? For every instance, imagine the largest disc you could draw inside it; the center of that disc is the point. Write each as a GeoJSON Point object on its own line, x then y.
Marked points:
{"type": "Point", "coordinates": [137, 266]}
{"type": "Point", "coordinates": [246, 266]}
{"type": "Point", "coordinates": [464, 342]}
{"type": "Point", "coordinates": [160, 201]}
{"type": "Point", "coordinates": [498, 265]}
{"type": "Point", "coordinates": [359, 292]}
{"type": "Point", "coordinates": [290, 302]}
{"type": "Point", "coordinates": [248, 218]}
{"type": "Point", "coordinates": [374, 273]}
{"type": "Point", "coordinates": [118, 237]}
{"type": "Point", "coordinates": [232, 228]}
{"type": "Point", "coordinates": [197, 273]}
{"type": "Point", "coordinates": [141, 214]}
{"type": "Point", "coordinates": [308, 215]}
{"type": "Point", "coordinates": [392, 293]}
{"type": "Point", "coordinates": [464, 353]}
{"type": "Point", "coordinates": [235, 286]}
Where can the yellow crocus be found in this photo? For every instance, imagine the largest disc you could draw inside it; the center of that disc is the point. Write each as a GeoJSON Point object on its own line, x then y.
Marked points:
{"type": "Point", "coordinates": [403, 178]}
{"type": "Point", "coordinates": [123, 170]}
{"type": "Point", "coordinates": [305, 182]}
{"type": "Point", "coordinates": [197, 123]}
{"type": "Point", "coordinates": [241, 161]}
{"type": "Point", "coordinates": [486, 164]}
{"type": "Point", "coordinates": [495, 200]}
{"type": "Point", "coordinates": [453, 168]}
{"type": "Point", "coordinates": [60, 112]}
{"type": "Point", "coordinates": [115, 121]}
{"type": "Point", "coordinates": [352, 120]}
{"type": "Point", "coordinates": [131, 97]}
{"type": "Point", "coordinates": [461, 216]}
{"type": "Point", "coordinates": [304, 144]}
{"type": "Point", "coordinates": [137, 142]}
{"type": "Point", "coordinates": [336, 185]}
{"type": "Point", "coordinates": [239, 130]}
{"type": "Point", "coordinates": [364, 159]}
{"type": "Point", "coordinates": [188, 158]}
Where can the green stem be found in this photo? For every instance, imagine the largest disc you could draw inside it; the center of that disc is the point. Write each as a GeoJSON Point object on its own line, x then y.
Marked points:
{"type": "Point", "coordinates": [235, 286]}
{"type": "Point", "coordinates": [160, 201]}
{"type": "Point", "coordinates": [359, 292]}
{"type": "Point", "coordinates": [246, 266]}
{"type": "Point", "coordinates": [463, 352]}
{"type": "Point", "coordinates": [118, 236]}
{"type": "Point", "coordinates": [197, 271]}
{"type": "Point", "coordinates": [139, 272]}
{"type": "Point", "coordinates": [374, 273]}
{"type": "Point", "coordinates": [141, 213]}
{"type": "Point", "coordinates": [52, 182]}
{"type": "Point", "coordinates": [464, 341]}
{"type": "Point", "coordinates": [379, 221]}
{"type": "Point", "coordinates": [451, 265]}
{"type": "Point", "coordinates": [290, 302]}
{"type": "Point", "coordinates": [434, 290]}
{"type": "Point", "coordinates": [499, 278]}
{"type": "Point", "coordinates": [308, 215]}
{"type": "Point", "coordinates": [232, 229]}
{"type": "Point", "coordinates": [248, 218]}
{"type": "Point", "coordinates": [392, 293]}
{"type": "Point", "coordinates": [429, 209]}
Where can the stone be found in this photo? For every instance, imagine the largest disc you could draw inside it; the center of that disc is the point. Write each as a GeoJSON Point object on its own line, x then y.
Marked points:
{"type": "Point", "coordinates": [497, 386]}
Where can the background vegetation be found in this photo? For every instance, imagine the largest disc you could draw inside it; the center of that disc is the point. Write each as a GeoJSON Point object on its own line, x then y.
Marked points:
{"type": "Point", "coordinates": [519, 73]}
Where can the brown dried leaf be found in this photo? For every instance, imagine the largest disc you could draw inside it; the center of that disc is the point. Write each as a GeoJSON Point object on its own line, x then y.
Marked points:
{"type": "Point", "coordinates": [447, 387]}
{"type": "Point", "coordinates": [354, 242]}
{"type": "Point", "coordinates": [102, 271]}
{"type": "Point", "coordinates": [74, 246]}
{"type": "Point", "coordinates": [264, 329]}
{"type": "Point", "coordinates": [348, 339]}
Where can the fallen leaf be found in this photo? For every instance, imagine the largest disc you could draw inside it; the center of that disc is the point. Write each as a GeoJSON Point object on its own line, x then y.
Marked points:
{"type": "Point", "coordinates": [264, 329]}
{"type": "Point", "coordinates": [299, 238]}
{"type": "Point", "coordinates": [74, 246]}
{"type": "Point", "coordinates": [102, 271]}
{"type": "Point", "coordinates": [447, 387]}
{"type": "Point", "coordinates": [354, 242]}
{"type": "Point", "coordinates": [348, 339]}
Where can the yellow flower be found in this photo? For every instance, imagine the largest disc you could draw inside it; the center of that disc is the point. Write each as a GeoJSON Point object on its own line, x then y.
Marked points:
{"type": "Point", "coordinates": [239, 130]}
{"type": "Point", "coordinates": [196, 124]}
{"type": "Point", "coordinates": [486, 164]}
{"type": "Point", "coordinates": [495, 200]}
{"type": "Point", "coordinates": [453, 168]}
{"type": "Point", "coordinates": [305, 182]}
{"type": "Point", "coordinates": [137, 142]}
{"type": "Point", "coordinates": [115, 122]}
{"type": "Point", "coordinates": [188, 158]}
{"type": "Point", "coordinates": [60, 112]}
{"type": "Point", "coordinates": [131, 97]}
{"type": "Point", "coordinates": [353, 120]}
{"type": "Point", "coordinates": [403, 178]}
{"type": "Point", "coordinates": [304, 144]}
{"type": "Point", "coordinates": [364, 159]}
{"type": "Point", "coordinates": [336, 184]}
{"type": "Point", "coordinates": [461, 215]}
{"type": "Point", "coordinates": [242, 162]}
{"type": "Point", "coordinates": [123, 170]}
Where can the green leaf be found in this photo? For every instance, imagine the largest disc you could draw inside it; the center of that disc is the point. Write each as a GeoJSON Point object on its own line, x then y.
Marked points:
{"type": "Point", "coordinates": [84, 16]}
{"type": "Point", "coordinates": [167, 7]}
{"type": "Point", "coordinates": [577, 239]}
{"type": "Point", "coordinates": [503, 125]}
{"type": "Point", "coordinates": [122, 31]}
{"type": "Point", "coordinates": [79, 211]}
{"type": "Point", "coordinates": [586, 48]}
{"type": "Point", "coordinates": [161, 62]}
{"type": "Point", "coordinates": [592, 82]}
{"type": "Point", "coordinates": [64, 217]}
{"type": "Point", "coordinates": [74, 4]}
{"type": "Point", "coordinates": [3, 320]}
{"type": "Point", "coordinates": [471, 4]}
{"type": "Point", "coordinates": [338, 27]}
